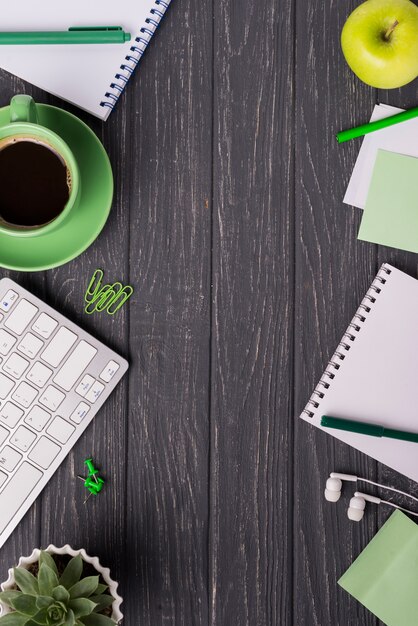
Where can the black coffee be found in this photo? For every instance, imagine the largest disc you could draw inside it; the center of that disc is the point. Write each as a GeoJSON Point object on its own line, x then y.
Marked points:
{"type": "Point", "coordinates": [34, 185]}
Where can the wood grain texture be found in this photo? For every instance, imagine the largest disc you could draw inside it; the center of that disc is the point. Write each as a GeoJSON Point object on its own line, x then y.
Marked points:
{"type": "Point", "coordinates": [228, 220]}
{"type": "Point", "coordinates": [333, 272]}
{"type": "Point", "coordinates": [252, 328]}
{"type": "Point", "coordinates": [166, 557]}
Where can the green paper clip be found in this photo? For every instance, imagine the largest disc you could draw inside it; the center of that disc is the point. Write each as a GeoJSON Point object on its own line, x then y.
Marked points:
{"type": "Point", "coordinates": [95, 281]}
{"type": "Point", "coordinates": [109, 298]}
{"type": "Point", "coordinates": [126, 293]}
{"type": "Point", "coordinates": [106, 301]}
{"type": "Point", "coordinates": [91, 307]}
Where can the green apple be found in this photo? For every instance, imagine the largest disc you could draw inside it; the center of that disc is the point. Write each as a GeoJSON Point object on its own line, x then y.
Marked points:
{"type": "Point", "coordinates": [380, 42]}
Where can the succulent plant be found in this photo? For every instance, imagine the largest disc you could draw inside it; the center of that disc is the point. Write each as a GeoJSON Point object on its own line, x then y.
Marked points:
{"type": "Point", "coordinates": [52, 600]}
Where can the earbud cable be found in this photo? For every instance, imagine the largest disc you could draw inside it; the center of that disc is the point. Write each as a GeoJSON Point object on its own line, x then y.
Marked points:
{"type": "Point", "coordinates": [395, 506]}
{"type": "Point", "coordinates": [402, 493]}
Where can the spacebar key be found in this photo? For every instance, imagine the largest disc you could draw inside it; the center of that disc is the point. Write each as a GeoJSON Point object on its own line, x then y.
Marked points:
{"type": "Point", "coordinates": [15, 494]}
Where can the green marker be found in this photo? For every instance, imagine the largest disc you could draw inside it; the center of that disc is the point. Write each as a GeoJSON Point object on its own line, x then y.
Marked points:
{"type": "Point", "coordinates": [365, 129]}
{"type": "Point", "coordinates": [367, 429]}
{"type": "Point", "coordinates": [74, 35]}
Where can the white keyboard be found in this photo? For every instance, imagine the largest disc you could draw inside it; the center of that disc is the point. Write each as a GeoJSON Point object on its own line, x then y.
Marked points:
{"type": "Point", "coordinates": [54, 377]}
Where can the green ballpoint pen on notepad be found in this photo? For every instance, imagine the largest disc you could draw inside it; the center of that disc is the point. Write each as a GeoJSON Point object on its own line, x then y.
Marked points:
{"type": "Point", "coordinates": [367, 429]}
{"type": "Point", "coordinates": [365, 129]}
{"type": "Point", "coordinates": [74, 35]}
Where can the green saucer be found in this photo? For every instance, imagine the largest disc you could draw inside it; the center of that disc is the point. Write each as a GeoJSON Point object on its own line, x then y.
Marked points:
{"type": "Point", "coordinates": [82, 226]}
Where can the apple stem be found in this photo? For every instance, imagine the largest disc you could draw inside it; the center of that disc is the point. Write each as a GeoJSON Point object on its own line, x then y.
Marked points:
{"type": "Point", "coordinates": [390, 30]}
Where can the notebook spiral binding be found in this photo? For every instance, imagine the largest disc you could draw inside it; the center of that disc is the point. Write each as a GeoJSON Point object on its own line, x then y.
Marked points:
{"type": "Point", "coordinates": [349, 336]}
{"type": "Point", "coordinates": [137, 50]}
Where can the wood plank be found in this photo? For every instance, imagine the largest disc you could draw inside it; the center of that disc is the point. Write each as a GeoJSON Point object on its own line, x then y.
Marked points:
{"type": "Point", "coordinates": [166, 561]}
{"type": "Point", "coordinates": [333, 272]}
{"type": "Point", "coordinates": [98, 525]}
{"type": "Point", "coordinates": [251, 423]}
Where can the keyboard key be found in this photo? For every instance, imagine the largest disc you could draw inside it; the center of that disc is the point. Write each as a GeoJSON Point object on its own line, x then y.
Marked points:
{"type": "Point", "coordinates": [18, 489]}
{"type": "Point", "coordinates": [60, 430]}
{"type": "Point", "coordinates": [25, 394]}
{"type": "Point", "coordinates": [21, 316]}
{"type": "Point", "coordinates": [59, 347]}
{"type": "Point", "coordinates": [15, 365]}
{"type": "Point", "coordinates": [3, 478]}
{"type": "Point", "coordinates": [45, 325]}
{"type": "Point", "coordinates": [38, 418]}
{"type": "Point", "coordinates": [95, 392]}
{"type": "Point", "coordinates": [8, 300]}
{"type": "Point", "coordinates": [75, 365]}
{"type": "Point", "coordinates": [7, 341]}
{"type": "Point", "coordinates": [51, 398]}
{"type": "Point", "coordinates": [10, 414]}
{"type": "Point", "coordinates": [3, 434]}
{"type": "Point", "coordinates": [9, 458]}
{"type": "Point", "coordinates": [5, 386]}
{"type": "Point", "coordinates": [85, 385]}
{"type": "Point", "coordinates": [44, 452]}
{"type": "Point", "coordinates": [23, 438]}
{"type": "Point", "coordinates": [80, 413]}
{"type": "Point", "coordinates": [30, 345]}
{"type": "Point", "coordinates": [39, 374]}
{"type": "Point", "coordinates": [109, 371]}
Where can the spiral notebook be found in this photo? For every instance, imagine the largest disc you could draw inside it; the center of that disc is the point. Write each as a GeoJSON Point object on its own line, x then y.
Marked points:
{"type": "Point", "coordinates": [372, 375]}
{"type": "Point", "coordinates": [90, 76]}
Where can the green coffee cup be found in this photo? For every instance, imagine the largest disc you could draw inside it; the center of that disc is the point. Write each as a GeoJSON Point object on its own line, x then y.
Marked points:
{"type": "Point", "coordinates": [39, 176]}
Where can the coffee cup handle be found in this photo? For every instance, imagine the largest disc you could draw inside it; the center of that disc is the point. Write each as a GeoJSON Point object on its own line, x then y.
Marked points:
{"type": "Point", "coordinates": [23, 109]}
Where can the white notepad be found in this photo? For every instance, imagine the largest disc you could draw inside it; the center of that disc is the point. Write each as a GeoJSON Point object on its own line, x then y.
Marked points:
{"type": "Point", "coordinates": [401, 138]}
{"type": "Point", "coordinates": [373, 374]}
{"type": "Point", "coordinates": [90, 76]}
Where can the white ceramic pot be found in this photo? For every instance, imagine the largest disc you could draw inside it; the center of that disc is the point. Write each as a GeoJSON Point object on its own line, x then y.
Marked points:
{"type": "Point", "coordinates": [26, 561]}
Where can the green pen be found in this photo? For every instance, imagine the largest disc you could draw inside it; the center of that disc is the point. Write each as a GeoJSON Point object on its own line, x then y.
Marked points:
{"type": "Point", "coordinates": [365, 129]}
{"type": "Point", "coordinates": [74, 35]}
{"type": "Point", "coordinates": [367, 429]}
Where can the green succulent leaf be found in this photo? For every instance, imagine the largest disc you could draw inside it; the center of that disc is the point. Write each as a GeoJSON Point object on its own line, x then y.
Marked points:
{"type": "Point", "coordinates": [7, 596]}
{"type": "Point", "coordinates": [101, 588]}
{"type": "Point", "coordinates": [82, 606]}
{"type": "Point", "coordinates": [26, 581]}
{"type": "Point", "coordinates": [47, 580]}
{"type": "Point", "coordinates": [54, 615]}
{"type": "Point", "coordinates": [47, 559]}
{"type": "Point", "coordinates": [102, 602]}
{"type": "Point", "coordinates": [70, 621]}
{"type": "Point", "coordinates": [61, 594]}
{"type": "Point", "coordinates": [25, 604]}
{"type": "Point", "coordinates": [13, 619]}
{"type": "Point", "coordinates": [97, 620]}
{"type": "Point", "coordinates": [43, 602]}
{"type": "Point", "coordinates": [84, 588]}
{"type": "Point", "coordinates": [72, 573]}
{"type": "Point", "coordinates": [40, 617]}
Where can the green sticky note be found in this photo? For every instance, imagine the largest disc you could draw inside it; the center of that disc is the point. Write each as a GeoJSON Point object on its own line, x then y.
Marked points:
{"type": "Point", "coordinates": [385, 576]}
{"type": "Point", "coordinates": [391, 210]}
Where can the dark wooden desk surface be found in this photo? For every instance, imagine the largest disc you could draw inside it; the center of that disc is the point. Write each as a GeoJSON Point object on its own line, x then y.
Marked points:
{"type": "Point", "coordinates": [228, 220]}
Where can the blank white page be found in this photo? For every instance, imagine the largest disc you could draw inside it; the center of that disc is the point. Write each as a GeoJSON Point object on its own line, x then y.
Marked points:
{"type": "Point", "coordinates": [377, 381]}
{"type": "Point", "coordinates": [81, 74]}
{"type": "Point", "coordinates": [401, 138]}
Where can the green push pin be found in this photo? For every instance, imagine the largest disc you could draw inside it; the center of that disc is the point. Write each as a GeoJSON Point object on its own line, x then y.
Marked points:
{"type": "Point", "coordinates": [93, 482]}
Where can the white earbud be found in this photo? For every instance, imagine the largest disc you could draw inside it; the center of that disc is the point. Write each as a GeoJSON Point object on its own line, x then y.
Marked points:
{"type": "Point", "coordinates": [334, 486]}
{"type": "Point", "coordinates": [355, 511]}
{"type": "Point", "coordinates": [357, 505]}
{"type": "Point", "coordinates": [333, 489]}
